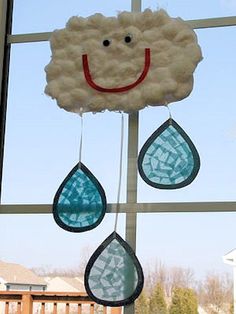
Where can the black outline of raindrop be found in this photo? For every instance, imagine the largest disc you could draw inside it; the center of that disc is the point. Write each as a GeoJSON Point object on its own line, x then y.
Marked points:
{"type": "Point", "coordinates": [93, 258]}
{"type": "Point", "coordinates": [196, 157]}
{"type": "Point", "coordinates": [100, 189]}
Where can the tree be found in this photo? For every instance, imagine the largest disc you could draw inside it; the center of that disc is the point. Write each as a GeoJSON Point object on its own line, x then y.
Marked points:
{"type": "Point", "coordinates": [156, 273]}
{"type": "Point", "coordinates": [182, 277]}
{"type": "Point", "coordinates": [141, 304]}
{"type": "Point", "coordinates": [184, 301]}
{"type": "Point", "coordinates": [216, 293]}
{"type": "Point", "coordinates": [78, 270]}
{"type": "Point", "coordinates": [157, 303]}
{"type": "Point", "coordinates": [169, 277]}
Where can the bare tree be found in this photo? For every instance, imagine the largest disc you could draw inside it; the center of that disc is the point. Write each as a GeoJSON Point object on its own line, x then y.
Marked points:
{"type": "Point", "coordinates": [85, 255]}
{"type": "Point", "coordinates": [169, 278]}
{"type": "Point", "coordinates": [156, 274]}
{"type": "Point", "coordinates": [182, 277]}
{"type": "Point", "coordinates": [215, 293]}
{"type": "Point", "coordinates": [78, 270]}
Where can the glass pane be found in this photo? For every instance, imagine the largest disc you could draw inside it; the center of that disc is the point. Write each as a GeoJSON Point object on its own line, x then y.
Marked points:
{"type": "Point", "coordinates": [42, 141]}
{"type": "Point", "coordinates": [49, 247]}
{"type": "Point", "coordinates": [195, 241]}
{"type": "Point", "coordinates": [39, 16]}
{"type": "Point", "coordinates": [188, 10]}
{"type": "Point", "coordinates": [208, 116]}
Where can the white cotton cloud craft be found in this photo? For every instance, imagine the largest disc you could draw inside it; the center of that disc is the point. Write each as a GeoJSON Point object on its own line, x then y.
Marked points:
{"type": "Point", "coordinates": [122, 63]}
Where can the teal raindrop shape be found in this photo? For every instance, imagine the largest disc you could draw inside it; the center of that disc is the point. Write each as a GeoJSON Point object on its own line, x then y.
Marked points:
{"type": "Point", "coordinates": [113, 275]}
{"type": "Point", "coordinates": [168, 159]}
{"type": "Point", "coordinates": [80, 202]}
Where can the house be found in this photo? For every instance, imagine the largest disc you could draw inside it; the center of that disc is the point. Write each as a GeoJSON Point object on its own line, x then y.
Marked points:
{"type": "Point", "coordinates": [68, 284]}
{"type": "Point", "coordinates": [17, 277]}
{"type": "Point", "coordinates": [72, 284]}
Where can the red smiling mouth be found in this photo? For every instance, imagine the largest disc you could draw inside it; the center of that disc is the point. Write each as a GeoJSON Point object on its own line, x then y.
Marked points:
{"type": "Point", "coordinates": [91, 83]}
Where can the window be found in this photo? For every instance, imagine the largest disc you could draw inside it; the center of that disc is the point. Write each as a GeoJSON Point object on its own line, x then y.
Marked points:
{"type": "Point", "coordinates": [42, 146]}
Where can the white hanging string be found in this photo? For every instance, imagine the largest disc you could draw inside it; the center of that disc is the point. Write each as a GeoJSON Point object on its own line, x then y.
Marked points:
{"type": "Point", "coordinates": [170, 116]}
{"type": "Point", "coordinates": [81, 137]}
{"type": "Point", "coordinates": [120, 170]}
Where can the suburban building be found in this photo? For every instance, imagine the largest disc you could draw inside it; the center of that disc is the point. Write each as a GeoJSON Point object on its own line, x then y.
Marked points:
{"type": "Point", "coordinates": [17, 277]}
{"type": "Point", "coordinates": [67, 284]}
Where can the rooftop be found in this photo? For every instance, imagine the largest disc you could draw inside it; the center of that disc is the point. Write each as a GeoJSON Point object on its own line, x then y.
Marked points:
{"type": "Point", "coordinates": [18, 274]}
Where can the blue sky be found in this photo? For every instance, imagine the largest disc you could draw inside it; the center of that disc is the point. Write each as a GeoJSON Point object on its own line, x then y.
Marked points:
{"type": "Point", "coordinates": [42, 145]}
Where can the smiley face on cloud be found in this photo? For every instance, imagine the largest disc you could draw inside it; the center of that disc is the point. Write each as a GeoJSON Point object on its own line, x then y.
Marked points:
{"type": "Point", "coordinates": [122, 63]}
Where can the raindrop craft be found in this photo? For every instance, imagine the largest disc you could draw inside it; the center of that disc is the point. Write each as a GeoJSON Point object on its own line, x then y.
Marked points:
{"type": "Point", "coordinates": [168, 159]}
{"type": "Point", "coordinates": [80, 202]}
{"type": "Point", "coordinates": [113, 275]}
{"type": "Point", "coordinates": [122, 64]}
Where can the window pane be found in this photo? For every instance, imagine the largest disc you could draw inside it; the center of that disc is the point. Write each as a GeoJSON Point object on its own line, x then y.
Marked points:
{"type": "Point", "coordinates": [42, 140]}
{"type": "Point", "coordinates": [39, 16]}
{"type": "Point", "coordinates": [49, 246]}
{"type": "Point", "coordinates": [208, 116]}
{"type": "Point", "coordinates": [194, 240]}
{"type": "Point", "coordinates": [188, 10]}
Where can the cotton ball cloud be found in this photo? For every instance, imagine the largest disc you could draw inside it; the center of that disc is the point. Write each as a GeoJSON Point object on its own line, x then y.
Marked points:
{"type": "Point", "coordinates": [122, 63]}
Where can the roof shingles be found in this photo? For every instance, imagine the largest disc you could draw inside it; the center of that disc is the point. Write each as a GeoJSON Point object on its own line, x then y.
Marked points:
{"type": "Point", "coordinates": [17, 274]}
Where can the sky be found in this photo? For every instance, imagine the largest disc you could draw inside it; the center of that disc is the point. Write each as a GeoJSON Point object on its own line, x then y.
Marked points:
{"type": "Point", "coordinates": [42, 146]}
